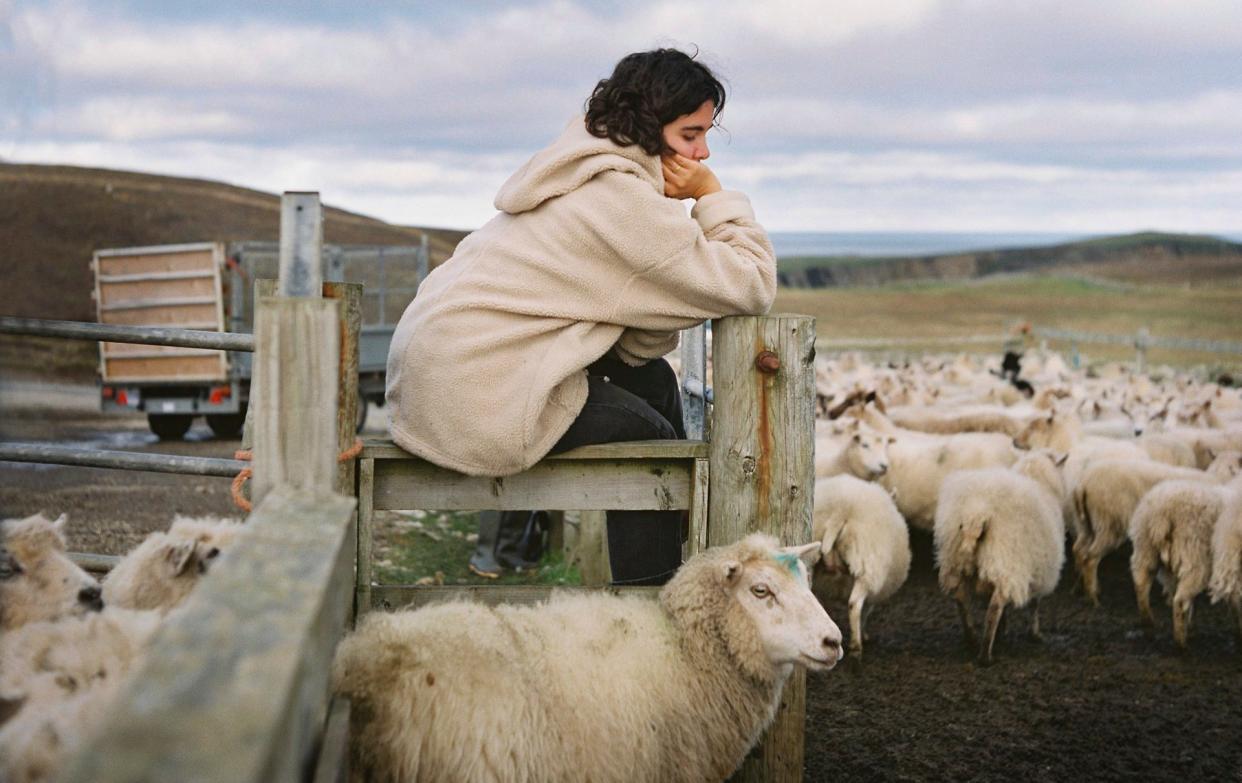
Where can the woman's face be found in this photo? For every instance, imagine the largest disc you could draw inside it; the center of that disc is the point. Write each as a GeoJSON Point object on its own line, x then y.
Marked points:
{"type": "Point", "coordinates": [687, 135]}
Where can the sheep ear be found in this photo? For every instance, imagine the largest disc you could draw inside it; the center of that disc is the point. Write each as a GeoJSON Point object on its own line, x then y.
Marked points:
{"type": "Point", "coordinates": [730, 572]}
{"type": "Point", "coordinates": [809, 554]}
{"type": "Point", "coordinates": [179, 556]}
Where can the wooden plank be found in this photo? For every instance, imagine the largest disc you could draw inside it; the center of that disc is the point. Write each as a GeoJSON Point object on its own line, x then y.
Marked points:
{"type": "Point", "coordinates": [350, 297]}
{"type": "Point", "coordinates": [333, 764]}
{"type": "Point", "coordinates": [235, 684]}
{"type": "Point", "coordinates": [592, 548]}
{"type": "Point", "coordinates": [132, 263]}
{"type": "Point", "coordinates": [700, 482]}
{"type": "Point", "coordinates": [125, 351]}
{"type": "Point", "coordinates": [157, 303]}
{"type": "Point", "coordinates": [301, 245]}
{"type": "Point", "coordinates": [366, 533]}
{"type": "Point", "coordinates": [560, 484]}
{"type": "Point", "coordinates": [294, 395]}
{"type": "Point", "coordinates": [385, 449]}
{"type": "Point", "coordinates": [192, 274]}
{"type": "Point", "coordinates": [762, 474]}
{"type": "Point", "coordinates": [201, 285]}
{"type": "Point", "coordinates": [392, 597]}
{"type": "Point", "coordinates": [201, 316]}
{"type": "Point", "coordinates": [124, 370]}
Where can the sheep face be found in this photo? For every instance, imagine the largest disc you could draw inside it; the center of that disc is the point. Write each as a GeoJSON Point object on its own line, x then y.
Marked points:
{"type": "Point", "coordinates": [867, 453]}
{"type": "Point", "coordinates": [38, 581]}
{"type": "Point", "coordinates": [775, 594]}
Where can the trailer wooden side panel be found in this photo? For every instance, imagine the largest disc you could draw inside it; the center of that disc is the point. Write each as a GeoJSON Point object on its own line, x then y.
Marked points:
{"type": "Point", "coordinates": [172, 285]}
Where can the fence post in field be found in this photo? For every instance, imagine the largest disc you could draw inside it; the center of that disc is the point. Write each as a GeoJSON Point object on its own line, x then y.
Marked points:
{"type": "Point", "coordinates": [763, 475]}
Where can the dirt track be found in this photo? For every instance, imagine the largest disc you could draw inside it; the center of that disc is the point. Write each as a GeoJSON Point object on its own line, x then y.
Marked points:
{"type": "Point", "coordinates": [1098, 700]}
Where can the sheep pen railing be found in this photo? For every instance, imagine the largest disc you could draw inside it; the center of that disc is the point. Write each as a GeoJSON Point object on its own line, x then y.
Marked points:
{"type": "Point", "coordinates": [235, 685]}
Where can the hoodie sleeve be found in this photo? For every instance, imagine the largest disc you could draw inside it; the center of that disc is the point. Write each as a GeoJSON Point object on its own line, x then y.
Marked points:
{"type": "Point", "coordinates": [636, 347]}
{"type": "Point", "coordinates": [683, 270]}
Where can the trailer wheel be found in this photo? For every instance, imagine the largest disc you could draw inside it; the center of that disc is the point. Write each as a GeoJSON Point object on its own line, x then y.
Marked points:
{"type": "Point", "coordinates": [362, 414]}
{"type": "Point", "coordinates": [226, 425]}
{"type": "Point", "coordinates": [170, 427]}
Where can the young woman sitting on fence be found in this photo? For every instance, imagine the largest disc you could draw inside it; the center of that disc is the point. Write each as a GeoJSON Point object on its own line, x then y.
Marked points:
{"type": "Point", "coordinates": [546, 328]}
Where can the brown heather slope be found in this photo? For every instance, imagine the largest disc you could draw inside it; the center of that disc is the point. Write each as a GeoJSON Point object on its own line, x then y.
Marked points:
{"type": "Point", "coordinates": [53, 217]}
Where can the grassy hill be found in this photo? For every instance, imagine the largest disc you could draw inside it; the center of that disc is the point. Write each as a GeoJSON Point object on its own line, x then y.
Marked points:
{"type": "Point", "coordinates": [1147, 257]}
{"type": "Point", "coordinates": [53, 217]}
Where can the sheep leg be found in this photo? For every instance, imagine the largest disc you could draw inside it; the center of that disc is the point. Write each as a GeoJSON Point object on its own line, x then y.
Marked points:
{"type": "Point", "coordinates": [1183, 608]}
{"type": "Point", "coordinates": [996, 609]}
{"type": "Point", "coordinates": [1035, 633]}
{"type": "Point", "coordinates": [1142, 566]}
{"type": "Point", "coordinates": [963, 596]}
{"type": "Point", "coordinates": [1091, 577]}
{"type": "Point", "coordinates": [858, 597]}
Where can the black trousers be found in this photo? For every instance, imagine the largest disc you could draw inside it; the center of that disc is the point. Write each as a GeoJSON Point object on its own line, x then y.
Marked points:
{"type": "Point", "coordinates": [628, 403]}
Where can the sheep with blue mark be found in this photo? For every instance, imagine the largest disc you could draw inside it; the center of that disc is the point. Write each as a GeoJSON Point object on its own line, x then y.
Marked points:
{"type": "Point", "coordinates": [588, 686]}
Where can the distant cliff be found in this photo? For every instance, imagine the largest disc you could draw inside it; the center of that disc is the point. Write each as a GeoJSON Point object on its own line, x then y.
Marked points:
{"type": "Point", "coordinates": [1146, 257]}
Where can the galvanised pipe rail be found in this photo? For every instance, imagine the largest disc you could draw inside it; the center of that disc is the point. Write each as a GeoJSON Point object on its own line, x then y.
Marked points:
{"type": "Point", "coordinates": [125, 460]}
{"type": "Point", "coordinates": [141, 335]}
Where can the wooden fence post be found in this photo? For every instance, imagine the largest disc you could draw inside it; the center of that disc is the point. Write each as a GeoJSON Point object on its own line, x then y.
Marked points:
{"type": "Point", "coordinates": [763, 475]}
{"type": "Point", "coordinates": [294, 389]}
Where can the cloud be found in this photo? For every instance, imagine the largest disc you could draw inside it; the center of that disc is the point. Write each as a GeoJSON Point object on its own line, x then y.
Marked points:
{"type": "Point", "coordinates": [901, 114]}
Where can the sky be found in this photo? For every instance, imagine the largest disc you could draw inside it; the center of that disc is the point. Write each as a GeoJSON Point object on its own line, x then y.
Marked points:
{"type": "Point", "coordinates": [1091, 116]}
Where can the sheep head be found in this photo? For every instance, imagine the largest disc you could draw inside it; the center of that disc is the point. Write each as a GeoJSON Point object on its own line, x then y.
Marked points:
{"type": "Point", "coordinates": [866, 453]}
{"type": "Point", "coordinates": [38, 581]}
{"type": "Point", "coordinates": [754, 600]}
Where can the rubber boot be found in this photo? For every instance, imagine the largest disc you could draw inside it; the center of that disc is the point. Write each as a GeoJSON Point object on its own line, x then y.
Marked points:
{"type": "Point", "coordinates": [510, 539]}
{"type": "Point", "coordinates": [483, 561]}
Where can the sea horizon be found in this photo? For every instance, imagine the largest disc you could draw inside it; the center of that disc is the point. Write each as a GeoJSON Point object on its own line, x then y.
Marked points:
{"type": "Point", "coordinates": [789, 244]}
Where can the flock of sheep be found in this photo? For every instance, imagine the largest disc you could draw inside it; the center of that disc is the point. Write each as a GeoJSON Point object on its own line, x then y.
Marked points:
{"type": "Point", "coordinates": [67, 642]}
{"type": "Point", "coordinates": [600, 687]}
{"type": "Point", "coordinates": [949, 447]}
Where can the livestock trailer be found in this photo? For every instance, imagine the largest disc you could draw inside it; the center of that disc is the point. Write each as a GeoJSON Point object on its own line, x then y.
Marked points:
{"type": "Point", "coordinates": [210, 286]}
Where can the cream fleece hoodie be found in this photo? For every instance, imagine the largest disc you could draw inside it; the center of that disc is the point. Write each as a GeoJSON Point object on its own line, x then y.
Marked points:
{"type": "Point", "coordinates": [486, 369]}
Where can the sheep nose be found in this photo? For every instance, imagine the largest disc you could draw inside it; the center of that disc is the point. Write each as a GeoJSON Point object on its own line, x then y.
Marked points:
{"type": "Point", "coordinates": [881, 469]}
{"type": "Point", "coordinates": [89, 596]}
{"type": "Point", "coordinates": [832, 645]}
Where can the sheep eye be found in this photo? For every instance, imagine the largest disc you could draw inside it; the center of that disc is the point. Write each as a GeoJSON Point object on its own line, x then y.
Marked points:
{"type": "Point", "coordinates": [760, 591]}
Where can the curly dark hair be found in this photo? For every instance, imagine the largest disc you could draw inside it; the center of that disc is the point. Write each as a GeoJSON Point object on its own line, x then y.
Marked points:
{"type": "Point", "coordinates": [648, 90]}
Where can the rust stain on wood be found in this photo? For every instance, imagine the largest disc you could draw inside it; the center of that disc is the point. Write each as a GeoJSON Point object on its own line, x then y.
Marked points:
{"type": "Point", "coordinates": [763, 462]}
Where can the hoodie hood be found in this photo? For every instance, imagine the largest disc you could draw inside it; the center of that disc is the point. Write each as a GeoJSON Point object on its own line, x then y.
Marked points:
{"type": "Point", "coordinates": [570, 162]}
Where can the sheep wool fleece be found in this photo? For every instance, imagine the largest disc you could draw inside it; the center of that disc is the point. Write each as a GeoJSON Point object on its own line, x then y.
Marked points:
{"type": "Point", "coordinates": [486, 369]}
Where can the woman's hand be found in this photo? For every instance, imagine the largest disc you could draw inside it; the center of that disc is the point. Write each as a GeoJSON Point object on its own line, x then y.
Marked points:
{"type": "Point", "coordinates": [686, 178]}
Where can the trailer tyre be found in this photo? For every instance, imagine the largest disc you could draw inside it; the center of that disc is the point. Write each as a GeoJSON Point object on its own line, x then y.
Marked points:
{"type": "Point", "coordinates": [170, 427]}
{"type": "Point", "coordinates": [362, 414]}
{"type": "Point", "coordinates": [227, 425]}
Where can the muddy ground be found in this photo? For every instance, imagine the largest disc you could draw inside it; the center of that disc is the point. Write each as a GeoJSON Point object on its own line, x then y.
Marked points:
{"type": "Point", "coordinates": [1097, 700]}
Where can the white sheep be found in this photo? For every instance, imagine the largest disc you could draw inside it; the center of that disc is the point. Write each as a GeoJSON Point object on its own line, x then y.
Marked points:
{"type": "Point", "coordinates": [1226, 582]}
{"type": "Point", "coordinates": [1172, 531]}
{"type": "Point", "coordinates": [918, 464]}
{"type": "Point", "coordinates": [38, 581]}
{"type": "Point", "coordinates": [1107, 496]}
{"type": "Point", "coordinates": [161, 571]}
{"type": "Point", "coordinates": [1000, 531]}
{"type": "Point", "coordinates": [865, 546]}
{"type": "Point", "coordinates": [857, 451]}
{"type": "Point", "coordinates": [61, 677]}
{"type": "Point", "coordinates": [588, 686]}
